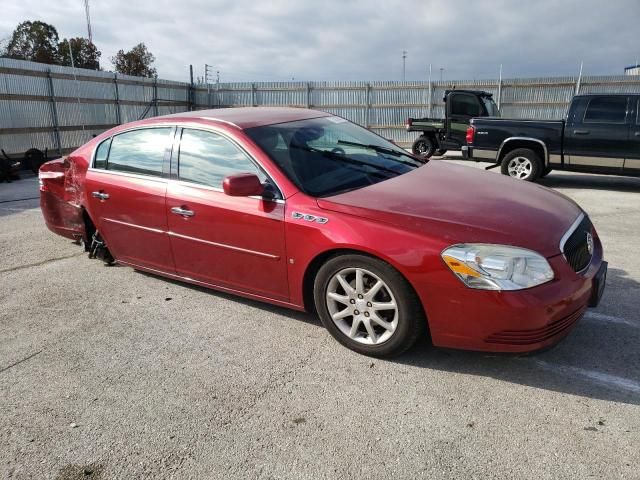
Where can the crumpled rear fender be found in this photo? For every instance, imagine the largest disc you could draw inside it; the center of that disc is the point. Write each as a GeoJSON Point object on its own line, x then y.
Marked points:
{"type": "Point", "coordinates": [61, 199]}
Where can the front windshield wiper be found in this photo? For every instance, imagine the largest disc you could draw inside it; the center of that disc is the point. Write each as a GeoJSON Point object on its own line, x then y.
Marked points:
{"type": "Point", "coordinates": [345, 159]}
{"type": "Point", "coordinates": [390, 151]}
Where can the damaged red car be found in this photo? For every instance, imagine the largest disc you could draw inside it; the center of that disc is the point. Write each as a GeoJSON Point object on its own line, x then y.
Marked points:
{"type": "Point", "coordinates": [307, 210]}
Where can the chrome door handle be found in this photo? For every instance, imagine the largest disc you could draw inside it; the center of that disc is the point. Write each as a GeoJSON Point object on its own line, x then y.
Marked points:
{"type": "Point", "coordinates": [100, 195]}
{"type": "Point", "coordinates": [182, 211]}
{"type": "Point", "coordinates": [581, 132]}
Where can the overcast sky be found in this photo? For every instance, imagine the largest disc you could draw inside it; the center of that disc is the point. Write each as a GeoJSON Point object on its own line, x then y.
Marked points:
{"type": "Point", "coordinates": [271, 40]}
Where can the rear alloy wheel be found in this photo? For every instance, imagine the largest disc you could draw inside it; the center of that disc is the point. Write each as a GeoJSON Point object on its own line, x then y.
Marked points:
{"type": "Point", "coordinates": [367, 305]}
{"type": "Point", "coordinates": [423, 147]}
{"type": "Point", "coordinates": [523, 164]}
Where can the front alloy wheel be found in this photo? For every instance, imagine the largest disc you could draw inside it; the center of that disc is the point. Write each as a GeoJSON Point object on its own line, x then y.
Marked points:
{"type": "Point", "coordinates": [367, 305]}
{"type": "Point", "coordinates": [362, 306]}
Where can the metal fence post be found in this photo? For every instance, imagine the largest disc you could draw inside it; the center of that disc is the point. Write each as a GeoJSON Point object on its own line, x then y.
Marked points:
{"type": "Point", "coordinates": [500, 88]}
{"type": "Point", "coordinates": [54, 113]}
{"type": "Point", "coordinates": [253, 95]}
{"type": "Point", "coordinates": [155, 96]}
{"type": "Point", "coordinates": [430, 94]}
{"type": "Point", "coordinates": [367, 111]}
{"type": "Point", "coordinates": [308, 95]}
{"type": "Point", "coordinates": [117, 98]}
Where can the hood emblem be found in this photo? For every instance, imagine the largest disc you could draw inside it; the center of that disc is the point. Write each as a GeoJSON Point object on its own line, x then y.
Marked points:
{"type": "Point", "coordinates": [589, 243]}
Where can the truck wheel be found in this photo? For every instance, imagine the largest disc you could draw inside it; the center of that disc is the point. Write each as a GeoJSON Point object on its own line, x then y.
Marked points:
{"type": "Point", "coordinates": [423, 146]}
{"type": "Point", "coordinates": [523, 164]}
{"type": "Point", "coordinates": [34, 159]}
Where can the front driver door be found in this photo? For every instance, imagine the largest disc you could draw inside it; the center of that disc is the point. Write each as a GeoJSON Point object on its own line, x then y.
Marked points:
{"type": "Point", "coordinates": [232, 242]}
{"type": "Point", "coordinates": [126, 189]}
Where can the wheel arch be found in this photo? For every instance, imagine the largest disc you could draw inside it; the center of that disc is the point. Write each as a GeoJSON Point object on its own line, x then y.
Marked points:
{"type": "Point", "coordinates": [512, 143]}
{"type": "Point", "coordinates": [314, 266]}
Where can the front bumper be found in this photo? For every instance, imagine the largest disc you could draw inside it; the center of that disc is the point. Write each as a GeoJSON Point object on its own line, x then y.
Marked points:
{"type": "Point", "coordinates": [519, 321]}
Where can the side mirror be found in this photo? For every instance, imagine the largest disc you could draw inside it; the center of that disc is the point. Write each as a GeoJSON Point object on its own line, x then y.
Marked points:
{"type": "Point", "coordinates": [242, 185]}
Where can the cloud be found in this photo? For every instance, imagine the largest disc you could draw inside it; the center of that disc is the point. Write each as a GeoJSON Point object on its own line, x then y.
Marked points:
{"type": "Point", "coordinates": [353, 39]}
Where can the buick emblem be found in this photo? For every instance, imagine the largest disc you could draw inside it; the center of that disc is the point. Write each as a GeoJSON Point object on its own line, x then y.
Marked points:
{"type": "Point", "coordinates": [589, 243]}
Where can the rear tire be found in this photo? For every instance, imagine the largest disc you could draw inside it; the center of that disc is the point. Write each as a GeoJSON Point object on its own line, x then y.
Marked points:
{"type": "Point", "coordinates": [387, 312]}
{"type": "Point", "coordinates": [522, 164]}
{"type": "Point", "coordinates": [424, 146]}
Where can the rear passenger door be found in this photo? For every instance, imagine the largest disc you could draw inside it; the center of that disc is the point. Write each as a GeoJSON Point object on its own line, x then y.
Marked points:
{"type": "Point", "coordinates": [125, 189]}
{"type": "Point", "coordinates": [599, 137]}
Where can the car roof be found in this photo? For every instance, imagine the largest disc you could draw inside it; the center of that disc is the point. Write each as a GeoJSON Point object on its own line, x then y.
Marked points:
{"type": "Point", "coordinates": [248, 117]}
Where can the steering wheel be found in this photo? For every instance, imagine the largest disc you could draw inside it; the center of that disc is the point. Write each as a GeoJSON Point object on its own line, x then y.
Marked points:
{"type": "Point", "coordinates": [338, 151]}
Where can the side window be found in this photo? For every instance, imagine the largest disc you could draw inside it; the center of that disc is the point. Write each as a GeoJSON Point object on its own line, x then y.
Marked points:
{"type": "Point", "coordinates": [206, 158]}
{"type": "Point", "coordinates": [606, 110]}
{"type": "Point", "coordinates": [139, 151]}
{"type": "Point", "coordinates": [102, 152]}
{"type": "Point", "coordinates": [465, 105]}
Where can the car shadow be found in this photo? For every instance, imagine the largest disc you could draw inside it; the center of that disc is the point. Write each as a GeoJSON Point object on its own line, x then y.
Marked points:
{"type": "Point", "coordinates": [599, 359]}
{"type": "Point", "coordinates": [595, 182]}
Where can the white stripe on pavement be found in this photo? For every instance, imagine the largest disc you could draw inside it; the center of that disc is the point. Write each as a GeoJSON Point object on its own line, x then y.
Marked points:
{"type": "Point", "coordinates": [601, 317]}
{"type": "Point", "coordinates": [611, 381]}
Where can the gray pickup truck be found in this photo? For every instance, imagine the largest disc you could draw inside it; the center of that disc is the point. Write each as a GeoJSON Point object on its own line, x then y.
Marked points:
{"type": "Point", "coordinates": [601, 134]}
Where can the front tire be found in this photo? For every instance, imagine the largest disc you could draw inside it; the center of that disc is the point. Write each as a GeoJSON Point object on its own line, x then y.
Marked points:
{"type": "Point", "coordinates": [523, 164]}
{"type": "Point", "coordinates": [424, 146]}
{"type": "Point", "coordinates": [368, 306]}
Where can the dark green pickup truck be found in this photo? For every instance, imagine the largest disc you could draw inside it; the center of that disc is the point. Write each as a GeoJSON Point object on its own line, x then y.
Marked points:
{"type": "Point", "coordinates": [442, 134]}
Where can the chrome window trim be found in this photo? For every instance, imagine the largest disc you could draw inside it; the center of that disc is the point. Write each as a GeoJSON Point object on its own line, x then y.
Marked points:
{"type": "Point", "coordinates": [152, 178]}
{"type": "Point", "coordinates": [569, 232]}
{"type": "Point", "coordinates": [536, 140]}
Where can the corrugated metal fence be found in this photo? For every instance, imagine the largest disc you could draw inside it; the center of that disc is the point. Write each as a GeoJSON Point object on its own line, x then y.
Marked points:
{"type": "Point", "coordinates": [59, 108]}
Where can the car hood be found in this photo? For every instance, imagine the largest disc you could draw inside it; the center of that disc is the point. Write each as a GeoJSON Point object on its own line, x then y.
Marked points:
{"type": "Point", "coordinates": [459, 204]}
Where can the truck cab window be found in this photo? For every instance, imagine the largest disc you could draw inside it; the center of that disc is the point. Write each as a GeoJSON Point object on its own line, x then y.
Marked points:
{"type": "Point", "coordinates": [606, 110]}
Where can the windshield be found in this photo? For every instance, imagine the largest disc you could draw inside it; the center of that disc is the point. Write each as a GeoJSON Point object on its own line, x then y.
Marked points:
{"type": "Point", "coordinates": [329, 155]}
{"type": "Point", "coordinates": [490, 105]}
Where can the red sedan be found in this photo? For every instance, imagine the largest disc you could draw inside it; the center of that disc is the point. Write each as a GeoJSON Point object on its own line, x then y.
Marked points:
{"type": "Point", "coordinates": [306, 210]}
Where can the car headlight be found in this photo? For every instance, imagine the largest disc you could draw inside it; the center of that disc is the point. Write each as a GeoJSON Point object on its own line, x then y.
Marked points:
{"type": "Point", "coordinates": [497, 267]}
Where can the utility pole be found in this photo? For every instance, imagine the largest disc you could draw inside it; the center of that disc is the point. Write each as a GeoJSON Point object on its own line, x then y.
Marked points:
{"type": "Point", "coordinates": [404, 61]}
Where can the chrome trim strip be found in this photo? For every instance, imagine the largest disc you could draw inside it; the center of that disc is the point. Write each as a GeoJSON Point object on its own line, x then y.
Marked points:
{"type": "Point", "coordinates": [529, 139]}
{"type": "Point", "coordinates": [133, 225]}
{"type": "Point", "coordinates": [555, 158]}
{"type": "Point", "coordinates": [612, 162]}
{"type": "Point", "coordinates": [222, 245]}
{"type": "Point", "coordinates": [569, 232]}
{"type": "Point", "coordinates": [632, 163]}
{"type": "Point", "coordinates": [482, 153]}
